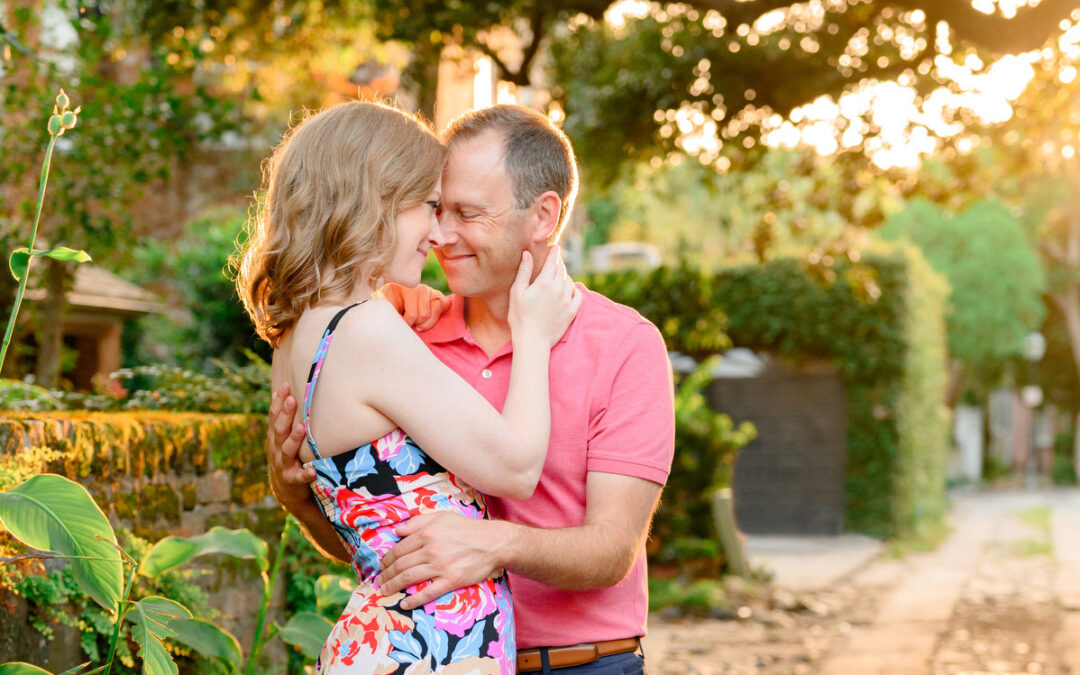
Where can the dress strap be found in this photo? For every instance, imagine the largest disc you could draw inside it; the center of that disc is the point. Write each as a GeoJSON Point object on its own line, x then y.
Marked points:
{"type": "Point", "coordinates": [313, 374]}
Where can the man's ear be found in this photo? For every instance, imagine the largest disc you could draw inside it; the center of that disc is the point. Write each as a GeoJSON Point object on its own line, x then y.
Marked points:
{"type": "Point", "coordinates": [548, 205]}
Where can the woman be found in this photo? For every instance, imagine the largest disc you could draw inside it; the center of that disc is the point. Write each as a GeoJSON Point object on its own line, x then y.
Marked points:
{"type": "Point", "coordinates": [352, 201]}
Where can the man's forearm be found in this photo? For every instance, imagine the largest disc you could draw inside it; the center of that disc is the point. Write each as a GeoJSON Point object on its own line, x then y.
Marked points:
{"type": "Point", "coordinates": [572, 558]}
{"type": "Point", "coordinates": [319, 531]}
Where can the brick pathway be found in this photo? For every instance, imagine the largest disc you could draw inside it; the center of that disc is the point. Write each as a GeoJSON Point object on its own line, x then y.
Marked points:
{"type": "Point", "coordinates": [1000, 595]}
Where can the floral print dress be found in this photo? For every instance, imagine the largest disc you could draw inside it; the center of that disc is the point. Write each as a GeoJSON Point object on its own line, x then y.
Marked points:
{"type": "Point", "coordinates": [365, 493]}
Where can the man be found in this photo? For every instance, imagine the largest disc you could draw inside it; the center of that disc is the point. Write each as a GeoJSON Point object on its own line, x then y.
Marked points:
{"type": "Point", "coordinates": [575, 549]}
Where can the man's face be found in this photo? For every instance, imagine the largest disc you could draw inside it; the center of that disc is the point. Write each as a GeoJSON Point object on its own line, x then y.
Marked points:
{"type": "Point", "coordinates": [485, 234]}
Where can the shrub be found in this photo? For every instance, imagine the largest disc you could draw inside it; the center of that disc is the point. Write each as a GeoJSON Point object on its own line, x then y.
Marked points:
{"type": "Point", "coordinates": [1063, 472]}
{"type": "Point", "coordinates": [880, 321]}
{"type": "Point", "coordinates": [193, 272]}
{"type": "Point", "coordinates": [233, 389]}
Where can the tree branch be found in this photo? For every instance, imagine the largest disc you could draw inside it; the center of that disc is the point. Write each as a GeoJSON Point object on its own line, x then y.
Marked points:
{"type": "Point", "coordinates": [1028, 30]}
{"type": "Point", "coordinates": [537, 26]}
{"type": "Point", "coordinates": [520, 77]}
{"type": "Point", "coordinates": [490, 53]}
{"type": "Point", "coordinates": [742, 11]}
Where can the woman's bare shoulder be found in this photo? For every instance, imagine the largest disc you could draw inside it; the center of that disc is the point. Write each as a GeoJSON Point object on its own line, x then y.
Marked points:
{"type": "Point", "coordinates": [377, 325]}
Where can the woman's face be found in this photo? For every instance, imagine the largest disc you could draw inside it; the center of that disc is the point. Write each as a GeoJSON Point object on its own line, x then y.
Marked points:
{"type": "Point", "coordinates": [417, 231]}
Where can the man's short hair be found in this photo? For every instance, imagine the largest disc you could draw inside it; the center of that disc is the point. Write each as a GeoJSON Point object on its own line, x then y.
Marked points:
{"type": "Point", "coordinates": [537, 154]}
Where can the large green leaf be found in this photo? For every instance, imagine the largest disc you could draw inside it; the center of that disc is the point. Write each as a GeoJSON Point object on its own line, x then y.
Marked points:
{"type": "Point", "coordinates": [172, 552]}
{"type": "Point", "coordinates": [52, 513]}
{"type": "Point", "coordinates": [20, 258]}
{"type": "Point", "coordinates": [333, 591]}
{"type": "Point", "coordinates": [151, 617]}
{"type": "Point", "coordinates": [21, 668]}
{"type": "Point", "coordinates": [78, 669]}
{"type": "Point", "coordinates": [208, 640]}
{"type": "Point", "coordinates": [308, 631]}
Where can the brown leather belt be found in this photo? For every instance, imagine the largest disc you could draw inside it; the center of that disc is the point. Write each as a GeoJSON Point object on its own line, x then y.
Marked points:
{"type": "Point", "coordinates": [528, 660]}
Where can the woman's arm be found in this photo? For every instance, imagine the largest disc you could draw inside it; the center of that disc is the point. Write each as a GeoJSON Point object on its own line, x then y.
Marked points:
{"type": "Point", "coordinates": [501, 454]}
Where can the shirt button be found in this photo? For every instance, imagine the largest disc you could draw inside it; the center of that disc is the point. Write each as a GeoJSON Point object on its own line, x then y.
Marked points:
{"type": "Point", "coordinates": [485, 373]}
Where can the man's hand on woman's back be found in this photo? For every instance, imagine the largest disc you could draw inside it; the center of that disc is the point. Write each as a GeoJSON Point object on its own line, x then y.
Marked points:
{"type": "Point", "coordinates": [288, 477]}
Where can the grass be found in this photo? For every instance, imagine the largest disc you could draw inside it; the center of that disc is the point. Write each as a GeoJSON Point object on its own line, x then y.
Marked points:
{"type": "Point", "coordinates": [1031, 547]}
{"type": "Point", "coordinates": [926, 537]}
{"type": "Point", "coordinates": [1038, 519]}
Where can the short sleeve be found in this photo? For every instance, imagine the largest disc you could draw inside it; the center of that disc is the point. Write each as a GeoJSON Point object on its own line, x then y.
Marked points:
{"type": "Point", "coordinates": [632, 430]}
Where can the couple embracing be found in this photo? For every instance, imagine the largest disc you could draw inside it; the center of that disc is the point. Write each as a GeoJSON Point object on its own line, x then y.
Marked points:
{"type": "Point", "coordinates": [488, 463]}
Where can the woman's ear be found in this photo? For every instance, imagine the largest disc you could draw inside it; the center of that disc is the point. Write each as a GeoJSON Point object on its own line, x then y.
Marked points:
{"type": "Point", "coordinates": [548, 207]}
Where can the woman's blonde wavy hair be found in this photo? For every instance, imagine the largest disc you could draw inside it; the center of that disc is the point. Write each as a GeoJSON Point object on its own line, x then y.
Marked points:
{"type": "Point", "coordinates": [326, 217]}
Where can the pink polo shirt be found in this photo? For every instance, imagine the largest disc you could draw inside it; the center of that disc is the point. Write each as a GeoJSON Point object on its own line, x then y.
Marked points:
{"type": "Point", "coordinates": [611, 411]}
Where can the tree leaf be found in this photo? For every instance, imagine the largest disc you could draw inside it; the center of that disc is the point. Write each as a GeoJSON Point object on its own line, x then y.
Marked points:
{"type": "Point", "coordinates": [20, 668]}
{"type": "Point", "coordinates": [66, 254]}
{"type": "Point", "coordinates": [209, 640]}
{"type": "Point", "coordinates": [20, 258]}
{"type": "Point", "coordinates": [77, 669]}
{"type": "Point", "coordinates": [151, 618]}
{"type": "Point", "coordinates": [172, 552]}
{"type": "Point", "coordinates": [333, 591]}
{"type": "Point", "coordinates": [18, 262]}
{"type": "Point", "coordinates": [51, 513]}
{"type": "Point", "coordinates": [308, 631]}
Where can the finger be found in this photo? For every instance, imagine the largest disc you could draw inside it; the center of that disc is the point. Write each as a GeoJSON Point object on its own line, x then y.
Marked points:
{"type": "Point", "coordinates": [283, 422]}
{"type": "Point", "coordinates": [402, 562]}
{"type": "Point", "coordinates": [413, 525]}
{"type": "Point", "coordinates": [552, 264]}
{"type": "Point", "coordinates": [430, 593]}
{"type": "Point", "coordinates": [297, 474]}
{"type": "Point", "coordinates": [392, 293]}
{"type": "Point", "coordinates": [524, 272]}
{"type": "Point", "coordinates": [403, 548]}
{"type": "Point", "coordinates": [423, 307]}
{"type": "Point", "coordinates": [277, 399]}
{"type": "Point", "coordinates": [575, 300]}
{"type": "Point", "coordinates": [406, 578]}
{"type": "Point", "coordinates": [290, 447]}
{"type": "Point", "coordinates": [439, 306]}
{"type": "Point", "coordinates": [411, 301]}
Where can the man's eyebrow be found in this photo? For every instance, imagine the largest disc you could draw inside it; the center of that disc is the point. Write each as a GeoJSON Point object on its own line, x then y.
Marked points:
{"type": "Point", "coordinates": [479, 206]}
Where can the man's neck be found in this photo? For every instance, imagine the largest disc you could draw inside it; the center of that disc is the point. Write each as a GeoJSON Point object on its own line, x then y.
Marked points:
{"type": "Point", "coordinates": [487, 321]}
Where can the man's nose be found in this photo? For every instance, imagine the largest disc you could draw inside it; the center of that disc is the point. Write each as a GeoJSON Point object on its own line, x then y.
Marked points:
{"type": "Point", "coordinates": [443, 233]}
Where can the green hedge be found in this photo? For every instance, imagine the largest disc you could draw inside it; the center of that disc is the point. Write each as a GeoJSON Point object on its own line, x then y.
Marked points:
{"type": "Point", "coordinates": [881, 321]}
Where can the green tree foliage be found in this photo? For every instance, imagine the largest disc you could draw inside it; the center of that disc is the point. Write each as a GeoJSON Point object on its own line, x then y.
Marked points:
{"type": "Point", "coordinates": [786, 203]}
{"type": "Point", "coordinates": [735, 62]}
{"type": "Point", "coordinates": [1030, 164]}
{"type": "Point", "coordinates": [142, 119]}
{"type": "Point", "coordinates": [282, 56]}
{"type": "Point", "coordinates": [996, 277]}
{"type": "Point", "coordinates": [194, 270]}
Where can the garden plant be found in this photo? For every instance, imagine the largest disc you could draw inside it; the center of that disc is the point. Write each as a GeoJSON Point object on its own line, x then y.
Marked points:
{"type": "Point", "coordinates": [58, 519]}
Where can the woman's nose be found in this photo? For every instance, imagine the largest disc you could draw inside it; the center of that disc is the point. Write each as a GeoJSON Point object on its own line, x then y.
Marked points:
{"type": "Point", "coordinates": [443, 232]}
{"type": "Point", "coordinates": [437, 234]}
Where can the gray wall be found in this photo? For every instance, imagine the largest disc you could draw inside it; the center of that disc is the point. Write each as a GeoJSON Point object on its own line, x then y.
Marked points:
{"type": "Point", "coordinates": [790, 479]}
